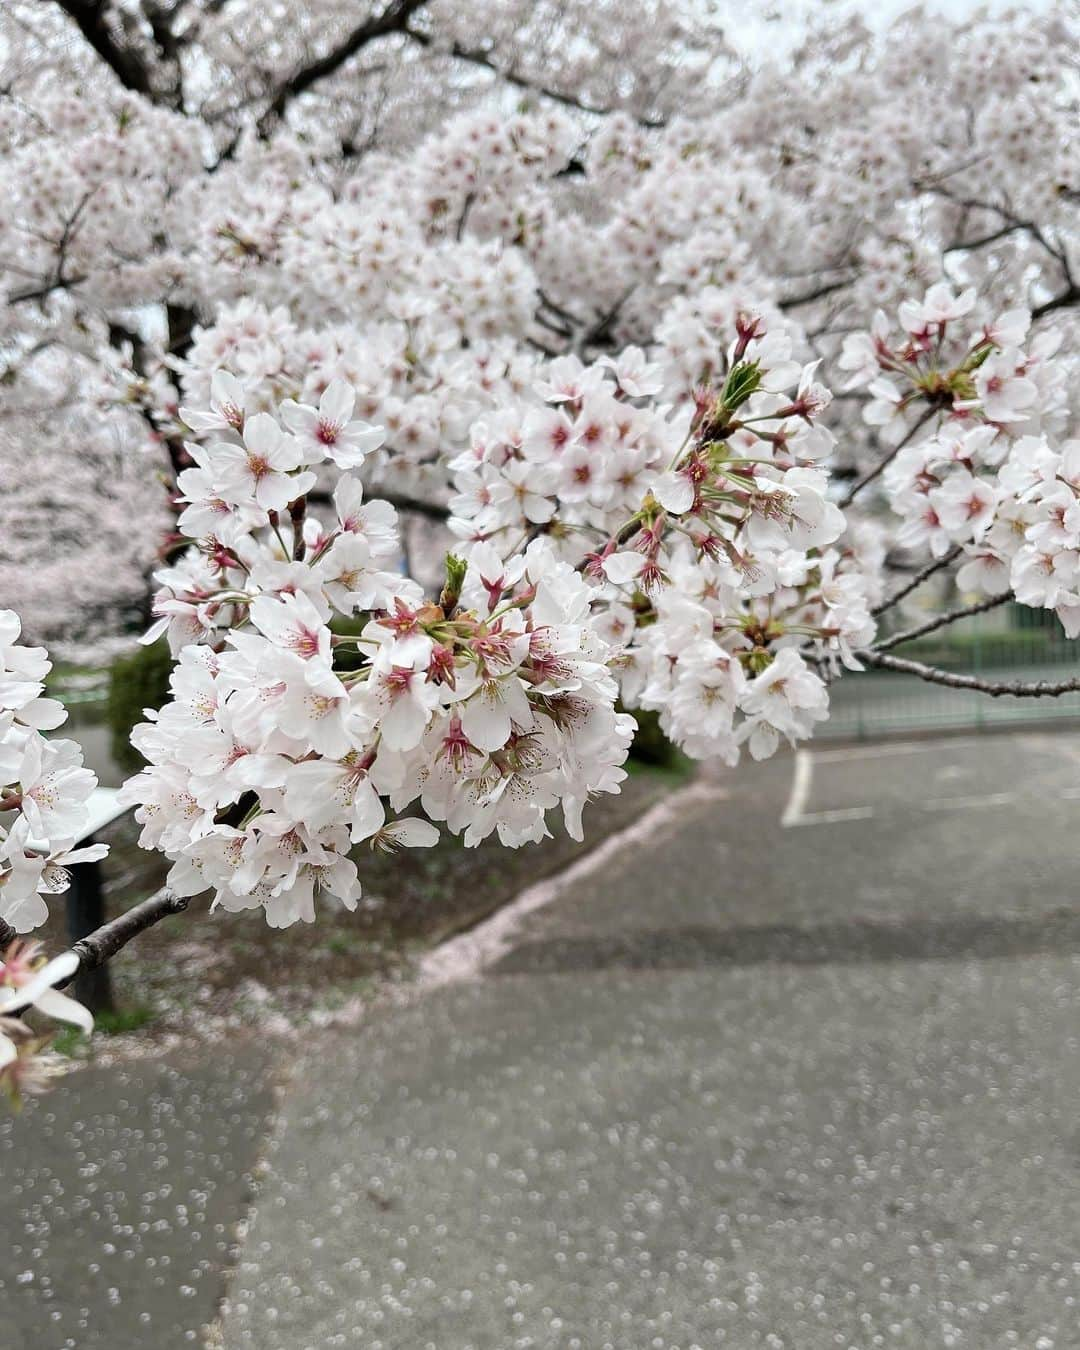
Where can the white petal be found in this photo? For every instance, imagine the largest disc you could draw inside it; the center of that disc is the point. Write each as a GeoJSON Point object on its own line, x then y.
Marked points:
{"type": "Point", "coordinates": [623, 567]}
{"type": "Point", "coordinates": [59, 968]}
{"type": "Point", "coordinates": [674, 492]}
{"type": "Point", "coordinates": [63, 1009]}
{"type": "Point", "coordinates": [336, 404]}
{"type": "Point", "coordinates": [413, 833]}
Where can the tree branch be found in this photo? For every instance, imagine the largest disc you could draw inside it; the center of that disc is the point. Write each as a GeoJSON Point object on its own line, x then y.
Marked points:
{"type": "Point", "coordinates": [478, 57]}
{"type": "Point", "coordinates": [941, 620]}
{"type": "Point", "coordinates": [1058, 251]}
{"type": "Point", "coordinates": [1069, 296]}
{"type": "Point", "coordinates": [951, 680]}
{"type": "Point", "coordinates": [918, 579]}
{"type": "Point", "coordinates": [59, 281]}
{"type": "Point", "coordinates": [400, 501]}
{"type": "Point", "coordinates": [600, 329]}
{"type": "Point", "coordinates": [393, 19]}
{"type": "Point", "coordinates": [885, 461]}
{"type": "Point", "coordinates": [818, 293]}
{"type": "Point", "coordinates": [103, 943]}
{"type": "Point", "coordinates": [91, 18]}
{"type": "Point", "coordinates": [971, 245]}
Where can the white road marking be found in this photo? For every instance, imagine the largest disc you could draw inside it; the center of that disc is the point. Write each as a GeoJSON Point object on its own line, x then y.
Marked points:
{"type": "Point", "coordinates": [796, 815]}
{"type": "Point", "coordinates": [833, 817]}
{"type": "Point", "coordinates": [800, 788]}
{"type": "Point", "coordinates": [969, 803]}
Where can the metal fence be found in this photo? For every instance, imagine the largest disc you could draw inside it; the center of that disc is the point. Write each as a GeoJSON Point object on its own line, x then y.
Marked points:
{"type": "Point", "coordinates": [1007, 644]}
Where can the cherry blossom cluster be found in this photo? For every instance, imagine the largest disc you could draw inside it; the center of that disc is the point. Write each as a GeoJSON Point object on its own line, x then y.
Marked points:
{"type": "Point", "coordinates": [44, 787]}
{"type": "Point", "coordinates": [410, 375]}
{"type": "Point", "coordinates": [686, 551]}
{"type": "Point", "coordinates": [976, 412]}
{"type": "Point", "coordinates": [717, 558]}
{"type": "Point", "coordinates": [155, 235]}
{"type": "Point", "coordinates": [287, 743]}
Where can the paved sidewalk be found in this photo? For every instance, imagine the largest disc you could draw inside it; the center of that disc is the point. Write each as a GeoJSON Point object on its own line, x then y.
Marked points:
{"type": "Point", "coordinates": [121, 1194]}
{"type": "Point", "coordinates": [799, 1069]}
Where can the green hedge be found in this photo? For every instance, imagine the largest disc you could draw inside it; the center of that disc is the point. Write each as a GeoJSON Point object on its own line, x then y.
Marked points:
{"type": "Point", "coordinates": [650, 745]}
{"type": "Point", "coordinates": [138, 681]}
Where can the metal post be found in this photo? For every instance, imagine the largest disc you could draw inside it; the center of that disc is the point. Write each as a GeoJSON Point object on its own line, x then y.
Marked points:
{"type": "Point", "coordinates": [85, 912]}
{"type": "Point", "coordinates": [980, 705]}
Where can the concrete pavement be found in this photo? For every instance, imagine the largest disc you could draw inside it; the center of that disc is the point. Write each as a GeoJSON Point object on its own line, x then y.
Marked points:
{"type": "Point", "coordinates": [122, 1190]}
{"type": "Point", "coordinates": [797, 1068]}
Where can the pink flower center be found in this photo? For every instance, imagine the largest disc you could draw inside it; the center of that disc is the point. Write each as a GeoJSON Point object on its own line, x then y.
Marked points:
{"type": "Point", "coordinates": [399, 679]}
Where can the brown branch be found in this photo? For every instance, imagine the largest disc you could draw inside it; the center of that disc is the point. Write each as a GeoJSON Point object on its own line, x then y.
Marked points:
{"type": "Point", "coordinates": [59, 281]}
{"type": "Point", "coordinates": [972, 245]}
{"type": "Point", "coordinates": [40, 292]}
{"type": "Point", "coordinates": [1058, 251]}
{"type": "Point", "coordinates": [941, 620]}
{"type": "Point", "coordinates": [103, 943]}
{"type": "Point", "coordinates": [393, 19]}
{"type": "Point", "coordinates": [478, 57]}
{"type": "Point", "coordinates": [402, 502]}
{"type": "Point", "coordinates": [602, 327]}
{"type": "Point", "coordinates": [918, 579]}
{"type": "Point", "coordinates": [91, 19]}
{"type": "Point", "coordinates": [818, 293]}
{"type": "Point", "coordinates": [459, 231]}
{"type": "Point", "coordinates": [297, 513]}
{"type": "Point", "coordinates": [951, 680]}
{"type": "Point", "coordinates": [561, 311]}
{"type": "Point", "coordinates": [1069, 296]}
{"type": "Point", "coordinates": [141, 358]}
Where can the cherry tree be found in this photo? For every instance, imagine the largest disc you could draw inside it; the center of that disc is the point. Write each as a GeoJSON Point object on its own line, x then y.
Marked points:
{"type": "Point", "coordinates": [695, 371]}
{"type": "Point", "coordinates": [681, 554]}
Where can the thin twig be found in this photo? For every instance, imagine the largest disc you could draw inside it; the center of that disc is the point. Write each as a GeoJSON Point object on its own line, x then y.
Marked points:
{"type": "Point", "coordinates": [885, 461]}
{"type": "Point", "coordinates": [485, 57]}
{"type": "Point", "coordinates": [918, 579]}
{"type": "Point", "coordinates": [951, 680]}
{"type": "Point", "coordinates": [600, 328]}
{"type": "Point", "coordinates": [818, 293]}
{"type": "Point", "coordinates": [463, 219]}
{"type": "Point", "coordinates": [950, 616]}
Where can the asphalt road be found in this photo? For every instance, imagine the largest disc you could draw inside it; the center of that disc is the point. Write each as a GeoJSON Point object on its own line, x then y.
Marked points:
{"type": "Point", "coordinates": [796, 1067]}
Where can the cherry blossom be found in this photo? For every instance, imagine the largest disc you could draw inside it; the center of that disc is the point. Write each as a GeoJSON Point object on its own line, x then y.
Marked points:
{"type": "Point", "coordinates": [43, 787]}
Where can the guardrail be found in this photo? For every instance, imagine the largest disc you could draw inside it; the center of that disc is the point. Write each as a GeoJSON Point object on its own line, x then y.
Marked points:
{"type": "Point", "coordinates": [1010, 643]}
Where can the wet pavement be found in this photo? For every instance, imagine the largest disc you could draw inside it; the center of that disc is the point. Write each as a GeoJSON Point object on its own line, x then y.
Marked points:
{"type": "Point", "coordinates": [122, 1190]}
{"type": "Point", "coordinates": [795, 1066]}
{"type": "Point", "coordinates": [798, 1068]}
